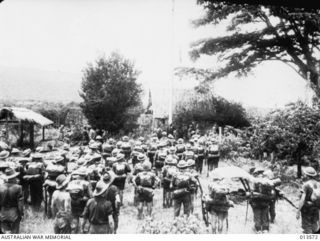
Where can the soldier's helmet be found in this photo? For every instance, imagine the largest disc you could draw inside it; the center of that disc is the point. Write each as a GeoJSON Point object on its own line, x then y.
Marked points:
{"type": "Point", "coordinates": [310, 171]}
{"type": "Point", "coordinates": [141, 157]}
{"type": "Point", "coordinates": [164, 134]}
{"type": "Point", "coordinates": [172, 150]}
{"type": "Point", "coordinates": [180, 141]}
{"type": "Point", "coordinates": [119, 157]}
{"type": "Point", "coordinates": [146, 166]}
{"type": "Point", "coordinates": [182, 164]}
{"type": "Point", "coordinates": [125, 139]}
{"type": "Point", "coordinates": [188, 146]}
{"type": "Point", "coordinates": [171, 161]}
{"type": "Point", "coordinates": [114, 152]}
{"type": "Point", "coordinates": [138, 143]}
{"type": "Point", "coordinates": [170, 136]}
{"type": "Point", "coordinates": [111, 141]}
{"type": "Point", "coordinates": [257, 171]}
{"type": "Point", "coordinates": [191, 162]}
{"type": "Point", "coordinates": [141, 139]}
{"type": "Point", "coordinates": [119, 144]}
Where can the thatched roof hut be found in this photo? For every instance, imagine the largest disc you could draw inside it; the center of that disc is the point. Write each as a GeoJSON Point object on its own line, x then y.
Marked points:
{"type": "Point", "coordinates": [23, 117]}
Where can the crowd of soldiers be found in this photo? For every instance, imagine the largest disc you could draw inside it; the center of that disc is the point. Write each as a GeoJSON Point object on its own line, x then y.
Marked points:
{"type": "Point", "coordinates": [82, 187]}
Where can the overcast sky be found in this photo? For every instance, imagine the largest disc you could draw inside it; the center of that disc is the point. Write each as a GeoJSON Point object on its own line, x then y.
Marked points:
{"type": "Point", "coordinates": [65, 35]}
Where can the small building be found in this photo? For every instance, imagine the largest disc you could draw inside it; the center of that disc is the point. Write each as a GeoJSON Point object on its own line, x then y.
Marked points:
{"type": "Point", "coordinates": [25, 119]}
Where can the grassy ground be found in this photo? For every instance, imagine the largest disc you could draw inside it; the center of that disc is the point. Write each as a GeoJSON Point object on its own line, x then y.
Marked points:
{"type": "Point", "coordinates": [285, 222]}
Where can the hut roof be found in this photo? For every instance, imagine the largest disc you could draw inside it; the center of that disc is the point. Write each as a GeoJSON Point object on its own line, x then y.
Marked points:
{"type": "Point", "coordinates": [23, 114]}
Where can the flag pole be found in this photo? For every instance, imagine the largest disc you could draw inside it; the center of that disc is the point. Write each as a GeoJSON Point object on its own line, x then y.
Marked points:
{"type": "Point", "coordinates": [170, 119]}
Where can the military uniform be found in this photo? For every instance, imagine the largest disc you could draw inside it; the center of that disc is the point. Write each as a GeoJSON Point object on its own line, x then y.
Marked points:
{"type": "Point", "coordinates": [35, 179]}
{"type": "Point", "coordinates": [121, 169]}
{"type": "Point", "coordinates": [181, 194]}
{"type": "Point", "coordinates": [11, 203]}
{"type": "Point", "coordinates": [61, 207]}
{"type": "Point", "coordinates": [309, 211]}
{"type": "Point", "coordinates": [145, 182]}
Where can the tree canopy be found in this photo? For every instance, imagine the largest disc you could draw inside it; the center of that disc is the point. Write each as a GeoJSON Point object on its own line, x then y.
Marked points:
{"type": "Point", "coordinates": [255, 34]}
{"type": "Point", "coordinates": [111, 95]}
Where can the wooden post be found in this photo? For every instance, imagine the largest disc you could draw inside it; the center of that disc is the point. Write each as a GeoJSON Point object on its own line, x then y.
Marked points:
{"type": "Point", "coordinates": [31, 129]}
{"type": "Point", "coordinates": [43, 134]}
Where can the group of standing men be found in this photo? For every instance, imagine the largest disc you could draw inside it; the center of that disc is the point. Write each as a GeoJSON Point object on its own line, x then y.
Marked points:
{"type": "Point", "coordinates": [82, 188]}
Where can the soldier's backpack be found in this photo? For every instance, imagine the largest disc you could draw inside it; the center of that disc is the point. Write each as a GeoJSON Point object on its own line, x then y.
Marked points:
{"type": "Point", "coordinates": [120, 169]}
{"type": "Point", "coordinates": [126, 147]}
{"type": "Point", "coordinates": [213, 151]}
{"type": "Point", "coordinates": [146, 179]}
{"type": "Point", "coordinates": [107, 148]}
{"type": "Point", "coordinates": [161, 159]}
{"type": "Point", "coordinates": [182, 180]}
{"type": "Point", "coordinates": [262, 190]}
{"type": "Point", "coordinates": [189, 155]}
{"type": "Point", "coordinates": [153, 149]}
{"type": "Point", "coordinates": [219, 196]}
{"type": "Point", "coordinates": [180, 149]}
{"type": "Point", "coordinates": [315, 196]}
{"type": "Point", "coordinates": [181, 186]}
{"type": "Point", "coordinates": [144, 147]}
{"type": "Point", "coordinates": [200, 151]}
{"type": "Point", "coordinates": [54, 171]}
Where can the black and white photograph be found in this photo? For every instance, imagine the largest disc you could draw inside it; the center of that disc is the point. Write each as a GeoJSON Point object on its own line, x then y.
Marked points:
{"type": "Point", "coordinates": [159, 117]}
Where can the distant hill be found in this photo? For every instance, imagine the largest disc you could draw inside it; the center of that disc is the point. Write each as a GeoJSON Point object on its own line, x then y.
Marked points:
{"type": "Point", "coordinates": [33, 84]}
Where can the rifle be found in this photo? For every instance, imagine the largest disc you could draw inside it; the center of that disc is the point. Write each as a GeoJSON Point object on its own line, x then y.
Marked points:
{"type": "Point", "coordinates": [247, 189]}
{"type": "Point", "coordinates": [205, 214]}
{"type": "Point", "coordinates": [281, 196]}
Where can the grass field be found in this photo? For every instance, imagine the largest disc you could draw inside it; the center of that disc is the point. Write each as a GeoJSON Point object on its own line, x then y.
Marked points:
{"type": "Point", "coordinates": [285, 222]}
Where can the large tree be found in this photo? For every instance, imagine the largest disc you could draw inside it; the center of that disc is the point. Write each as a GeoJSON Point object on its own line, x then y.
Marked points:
{"type": "Point", "coordinates": [255, 34]}
{"type": "Point", "coordinates": [111, 93]}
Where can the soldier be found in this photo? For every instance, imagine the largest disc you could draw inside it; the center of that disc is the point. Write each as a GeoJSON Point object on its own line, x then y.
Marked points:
{"type": "Point", "coordinates": [152, 149]}
{"type": "Point", "coordinates": [181, 184]}
{"type": "Point", "coordinates": [180, 148]}
{"type": "Point", "coordinates": [189, 153]}
{"type": "Point", "coordinates": [200, 152]}
{"type": "Point", "coordinates": [61, 206]}
{"type": "Point", "coordinates": [126, 148]}
{"type": "Point", "coordinates": [308, 207]}
{"type": "Point", "coordinates": [160, 157]}
{"type": "Point", "coordinates": [145, 182]}
{"type": "Point", "coordinates": [172, 153]}
{"type": "Point", "coordinates": [80, 192]}
{"type": "Point", "coordinates": [218, 204]}
{"type": "Point", "coordinates": [98, 211]}
{"type": "Point", "coordinates": [11, 203]}
{"type": "Point", "coordinates": [137, 169]}
{"type": "Point", "coordinates": [35, 179]}
{"type": "Point", "coordinates": [114, 197]}
{"type": "Point", "coordinates": [106, 150]}
{"type": "Point", "coordinates": [260, 198]}
{"type": "Point", "coordinates": [171, 140]}
{"type": "Point", "coordinates": [168, 172]}
{"type": "Point", "coordinates": [22, 170]}
{"type": "Point", "coordinates": [52, 172]}
{"type": "Point", "coordinates": [193, 187]}
{"type": "Point", "coordinates": [137, 150]}
{"type": "Point", "coordinates": [213, 156]}
{"type": "Point", "coordinates": [121, 169]}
